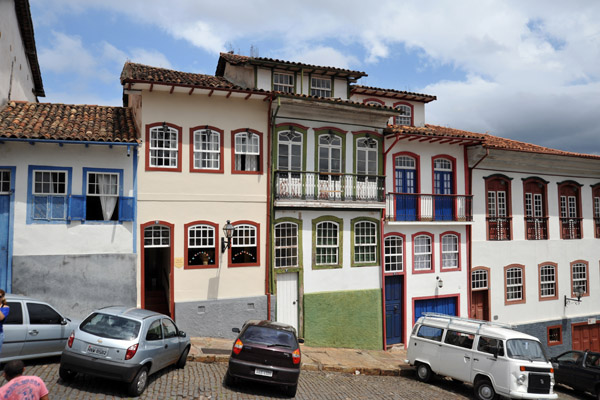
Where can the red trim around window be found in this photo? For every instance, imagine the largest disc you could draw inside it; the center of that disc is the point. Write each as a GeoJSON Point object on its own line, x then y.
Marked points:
{"type": "Point", "coordinates": [453, 163]}
{"type": "Point", "coordinates": [490, 185]}
{"type": "Point", "coordinates": [418, 171]}
{"type": "Point", "coordinates": [587, 277]}
{"type": "Point", "coordinates": [542, 188]}
{"type": "Point", "coordinates": [229, 251]}
{"type": "Point", "coordinates": [429, 271]}
{"type": "Point", "coordinates": [260, 157]}
{"type": "Point", "coordinates": [412, 111]}
{"type": "Point", "coordinates": [563, 190]}
{"type": "Point", "coordinates": [458, 268]}
{"type": "Point", "coordinates": [171, 262]}
{"type": "Point", "coordinates": [556, 343]}
{"type": "Point", "coordinates": [523, 298]}
{"type": "Point", "coordinates": [403, 237]}
{"type": "Point", "coordinates": [186, 237]}
{"type": "Point", "coordinates": [365, 101]}
{"type": "Point", "coordinates": [147, 146]}
{"type": "Point", "coordinates": [596, 193]}
{"type": "Point", "coordinates": [555, 265]}
{"type": "Point", "coordinates": [221, 146]}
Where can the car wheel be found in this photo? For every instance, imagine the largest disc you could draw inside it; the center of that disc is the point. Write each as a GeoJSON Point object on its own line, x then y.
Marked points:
{"type": "Point", "coordinates": [484, 390]}
{"type": "Point", "coordinates": [229, 380]}
{"type": "Point", "coordinates": [183, 358]}
{"type": "Point", "coordinates": [138, 385]}
{"type": "Point", "coordinates": [66, 374]}
{"type": "Point", "coordinates": [424, 372]}
{"type": "Point", "coordinates": [291, 390]}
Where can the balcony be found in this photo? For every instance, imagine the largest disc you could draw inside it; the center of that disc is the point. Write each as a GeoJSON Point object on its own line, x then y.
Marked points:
{"type": "Point", "coordinates": [597, 227]}
{"type": "Point", "coordinates": [570, 228]}
{"type": "Point", "coordinates": [320, 187]}
{"type": "Point", "coordinates": [428, 207]}
{"type": "Point", "coordinates": [537, 228]}
{"type": "Point", "coordinates": [499, 228]}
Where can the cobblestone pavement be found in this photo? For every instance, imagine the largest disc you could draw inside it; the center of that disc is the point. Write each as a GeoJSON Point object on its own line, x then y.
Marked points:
{"type": "Point", "coordinates": [205, 381]}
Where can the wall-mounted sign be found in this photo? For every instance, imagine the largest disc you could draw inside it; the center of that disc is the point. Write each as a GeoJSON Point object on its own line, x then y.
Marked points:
{"type": "Point", "coordinates": [178, 262]}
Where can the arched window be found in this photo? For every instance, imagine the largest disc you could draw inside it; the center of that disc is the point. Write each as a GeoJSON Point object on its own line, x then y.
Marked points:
{"type": "Point", "coordinates": [479, 279]}
{"type": "Point", "coordinates": [498, 208]}
{"type": "Point", "coordinates": [536, 210]}
{"type": "Point", "coordinates": [247, 145]}
{"type": "Point", "coordinates": [286, 245]}
{"type": "Point", "coordinates": [207, 149]}
{"type": "Point", "coordinates": [580, 277]}
{"type": "Point", "coordinates": [163, 147]}
{"type": "Point", "coordinates": [365, 242]}
{"type": "Point", "coordinates": [201, 245]}
{"type": "Point", "coordinates": [422, 253]}
{"type": "Point", "coordinates": [405, 117]}
{"type": "Point", "coordinates": [244, 245]}
{"type": "Point", "coordinates": [514, 284]}
{"type": "Point", "coordinates": [327, 245]}
{"type": "Point", "coordinates": [450, 251]}
{"type": "Point", "coordinates": [394, 253]}
{"type": "Point", "coordinates": [569, 195]}
{"type": "Point", "coordinates": [548, 281]}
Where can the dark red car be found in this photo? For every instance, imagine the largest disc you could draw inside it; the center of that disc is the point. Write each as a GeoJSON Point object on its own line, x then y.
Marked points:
{"type": "Point", "coordinates": [267, 352]}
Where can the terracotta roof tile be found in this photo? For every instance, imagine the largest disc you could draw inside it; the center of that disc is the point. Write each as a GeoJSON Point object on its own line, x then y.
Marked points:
{"type": "Point", "coordinates": [133, 72]}
{"type": "Point", "coordinates": [24, 120]}
{"type": "Point", "coordinates": [236, 59]}
{"type": "Point", "coordinates": [437, 131]}
{"type": "Point", "coordinates": [392, 93]}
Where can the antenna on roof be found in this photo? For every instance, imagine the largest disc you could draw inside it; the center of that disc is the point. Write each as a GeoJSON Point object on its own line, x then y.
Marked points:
{"type": "Point", "coordinates": [253, 51]}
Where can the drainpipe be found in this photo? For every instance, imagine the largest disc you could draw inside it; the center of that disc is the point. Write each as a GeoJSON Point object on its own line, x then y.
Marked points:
{"type": "Point", "coordinates": [269, 210]}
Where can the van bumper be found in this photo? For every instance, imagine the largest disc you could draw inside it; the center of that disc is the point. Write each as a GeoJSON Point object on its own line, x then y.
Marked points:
{"type": "Point", "coordinates": [533, 396]}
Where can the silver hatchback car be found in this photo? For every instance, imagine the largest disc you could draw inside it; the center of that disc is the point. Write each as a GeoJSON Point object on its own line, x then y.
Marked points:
{"type": "Point", "coordinates": [124, 344]}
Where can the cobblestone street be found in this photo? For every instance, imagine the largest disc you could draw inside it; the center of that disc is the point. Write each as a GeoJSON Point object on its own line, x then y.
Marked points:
{"type": "Point", "coordinates": [205, 381]}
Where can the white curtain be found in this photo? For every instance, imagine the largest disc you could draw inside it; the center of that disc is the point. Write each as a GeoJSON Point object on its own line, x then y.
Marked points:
{"type": "Point", "coordinates": [108, 198]}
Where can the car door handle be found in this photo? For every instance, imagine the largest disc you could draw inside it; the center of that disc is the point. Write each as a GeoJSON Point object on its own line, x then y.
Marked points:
{"type": "Point", "coordinates": [476, 359]}
{"type": "Point", "coordinates": [467, 358]}
{"type": "Point", "coordinates": [34, 332]}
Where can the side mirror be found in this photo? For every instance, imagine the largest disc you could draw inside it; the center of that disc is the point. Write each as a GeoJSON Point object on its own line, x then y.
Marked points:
{"type": "Point", "coordinates": [300, 340]}
{"type": "Point", "coordinates": [553, 359]}
{"type": "Point", "coordinates": [63, 322]}
{"type": "Point", "coordinates": [182, 334]}
{"type": "Point", "coordinates": [235, 330]}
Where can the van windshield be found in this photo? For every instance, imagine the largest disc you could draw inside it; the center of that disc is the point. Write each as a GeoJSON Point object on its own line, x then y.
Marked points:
{"type": "Point", "coordinates": [525, 349]}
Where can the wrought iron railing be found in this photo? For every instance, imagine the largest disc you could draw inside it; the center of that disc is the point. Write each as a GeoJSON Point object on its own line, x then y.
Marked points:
{"type": "Point", "coordinates": [318, 186]}
{"type": "Point", "coordinates": [428, 207]}
{"type": "Point", "coordinates": [537, 228]}
{"type": "Point", "coordinates": [499, 228]}
{"type": "Point", "coordinates": [570, 228]}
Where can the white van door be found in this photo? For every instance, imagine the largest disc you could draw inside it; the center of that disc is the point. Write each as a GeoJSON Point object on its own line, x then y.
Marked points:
{"type": "Point", "coordinates": [456, 355]}
{"type": "Point", "coordinates": [486, 363]}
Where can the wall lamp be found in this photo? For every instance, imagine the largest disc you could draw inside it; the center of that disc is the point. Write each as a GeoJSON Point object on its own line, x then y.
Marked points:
{"type": "Point", "coordinates": [228, 231]}
{"type": "Point", "coordinates": [440, 283]}
{"type": "Point", "coordinates": [578, 292]}
{"type": "Point", "coordinates": [165, 128]}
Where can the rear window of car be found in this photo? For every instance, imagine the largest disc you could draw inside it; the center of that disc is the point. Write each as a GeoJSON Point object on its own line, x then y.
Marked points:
{"type": "Point", "coordinates": [269, 336]}
{"type": "Point", "coordinates": [430, 332]}
{"type": "Point", "coordinates": [111, 326]}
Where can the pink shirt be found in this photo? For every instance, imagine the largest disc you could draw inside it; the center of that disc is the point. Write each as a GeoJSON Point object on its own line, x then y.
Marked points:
{"type": "Point", "coordinates": [23, 388]}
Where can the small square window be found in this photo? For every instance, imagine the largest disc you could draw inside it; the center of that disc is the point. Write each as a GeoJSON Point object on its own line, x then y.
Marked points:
{"type": "Point", "coordinates": [554, 335]}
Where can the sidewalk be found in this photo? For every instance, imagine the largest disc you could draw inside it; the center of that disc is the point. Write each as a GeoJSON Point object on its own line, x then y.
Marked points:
{"type": "Point", "coordinates": [353, 361]}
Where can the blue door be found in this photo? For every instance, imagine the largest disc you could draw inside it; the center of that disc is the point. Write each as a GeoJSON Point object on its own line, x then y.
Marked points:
{"type": "Point", "coordinates": [406, 203]}
{"type": "Point", "coordinates": [444, 205]}
{"type": "Point", "coordinates": [393, 309]}
{"type": "Point", "coordinates": [4, 215]}
{"type": "Point", "coordinates": [444, 305]}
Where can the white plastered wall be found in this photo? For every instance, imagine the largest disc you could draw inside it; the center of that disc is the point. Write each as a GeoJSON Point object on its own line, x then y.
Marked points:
{"type": "Point", "coordinates": [75, 237]}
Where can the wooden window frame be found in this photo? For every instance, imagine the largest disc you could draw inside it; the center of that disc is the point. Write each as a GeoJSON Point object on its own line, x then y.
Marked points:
{"type": "Point", "coordinates": [523, 298]}
{"type": "Point", "coordinates": [217, 249]}
{"type": "Point", "coordinates": [220, 132]}
{"type": "Point", "coordinates": [179, 130]}
{"type": "Point", "coordinates": [540, 266]}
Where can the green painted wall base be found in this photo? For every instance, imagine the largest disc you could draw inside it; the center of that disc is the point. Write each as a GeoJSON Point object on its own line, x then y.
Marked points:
{"type": "Point", "coordinates": [344, 319]}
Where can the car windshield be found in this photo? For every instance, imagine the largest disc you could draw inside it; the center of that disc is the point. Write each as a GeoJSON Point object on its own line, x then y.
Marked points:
{"type": "Point", "coordinates": [269, 336]}
{"type": "Point", "coordinates": [111, 326]}
{"type": "Point", "coordinates": [525, 349]}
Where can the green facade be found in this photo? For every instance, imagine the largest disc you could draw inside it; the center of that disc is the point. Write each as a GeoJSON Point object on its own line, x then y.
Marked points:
{"type": "Point", "coordinates": [350, 319]}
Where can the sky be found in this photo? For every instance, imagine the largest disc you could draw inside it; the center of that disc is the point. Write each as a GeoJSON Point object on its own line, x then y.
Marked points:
{"type": "Point", "coordinates": [524, 70]}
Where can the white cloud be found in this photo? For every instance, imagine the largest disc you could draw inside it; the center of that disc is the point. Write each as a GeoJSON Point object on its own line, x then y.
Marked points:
{"type": "Point", "coordinates": [67, 54]}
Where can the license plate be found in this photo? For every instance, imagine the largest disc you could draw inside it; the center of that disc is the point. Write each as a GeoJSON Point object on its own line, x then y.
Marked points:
{"type": "Point", "coordinates": [101, 351]}
{"type": "Point", "coordinates": [263, 372]}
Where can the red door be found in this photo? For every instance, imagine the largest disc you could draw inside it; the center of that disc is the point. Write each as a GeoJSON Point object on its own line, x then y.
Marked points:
{"type": "Point", "coordinates": [479, 305]}
{"type": "Point", "coordinates": [586, 337]}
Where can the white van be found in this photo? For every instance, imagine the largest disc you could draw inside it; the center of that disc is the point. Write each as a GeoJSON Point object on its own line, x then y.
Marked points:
{"type": "Point", "coordinates": [491, 356]}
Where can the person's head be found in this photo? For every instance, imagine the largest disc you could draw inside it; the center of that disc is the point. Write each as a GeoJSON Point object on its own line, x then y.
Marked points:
{"type": "Point", "coordinates": [2, 297]}
{"type": "Point", "coordinates": [13, 368]}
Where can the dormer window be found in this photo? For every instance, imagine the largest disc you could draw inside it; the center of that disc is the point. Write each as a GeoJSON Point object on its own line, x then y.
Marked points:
{"type": "Point", "coordinates": [283, 82]}
{"type": "Point", "coordinates": [320, 87]}
{"type": "Point", "coordinates": [405, 117]}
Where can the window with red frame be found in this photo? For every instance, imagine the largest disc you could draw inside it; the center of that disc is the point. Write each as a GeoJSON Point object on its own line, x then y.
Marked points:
{"type": "Point", "coordinates": [244, 245]}
{"type": "Point", "coordinates": [422, 254]}
{"type": "Point", "coordinates": [201, 246]}
{"type": "Point", "coordinates": [579, 277]}
{"type": "Point", "coordinates": [405, 117]}
{"type": "Point", "coordinates": [596, 196]}
{"type": "Point", "coordinates": [247, 151]}
{"type": "Point", "coordinates": [394, 253]}
{"type": "Point", "coordinates": [207, 149]}
{"type": "Point", "coordinates": [554, 335]}
{"type": "Point", "coordinates": [570, 210]}
{"type": "Point", "coordinates": [498, 208]}
{"type": "Point", "coordinates": [515, 284]}
{"type": "Point", "coordinates": [548, 282]}
{"type": "Point", "coordinates": [450, 251]}
{"type": "Point", "coordinates": [163, 147]}
{"type": "Point", "coordinates": [536, 214]}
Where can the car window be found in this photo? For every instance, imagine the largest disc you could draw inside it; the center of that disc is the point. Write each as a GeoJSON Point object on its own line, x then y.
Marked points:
{"type": "Point", "coordinates": [571, 357]}
{"type": "Point", "coordinates": [460, 339]}
{"type": "Point", "coordinates": [154, 332]}
{"type": "Point", "coordinates": [15, 314]}
{"type": "Point", "coordinates": [111, 326]}
{"type": "Point", "coordinates": [269, 336]}
{"type": "Point", "coordinates": [592, 360]}
{"type": "Point", "coordinates": [488, 344]}
{"type": "Point", "coordinates": [42, 314]}
{"type": "Point", "coordinates": [430, 332]}
{"type": "Point", "coordinates": [169, 328]}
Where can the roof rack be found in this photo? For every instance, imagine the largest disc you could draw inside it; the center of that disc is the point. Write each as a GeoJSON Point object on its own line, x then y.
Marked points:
{"type": "Point", "coordinates": [478, 322]}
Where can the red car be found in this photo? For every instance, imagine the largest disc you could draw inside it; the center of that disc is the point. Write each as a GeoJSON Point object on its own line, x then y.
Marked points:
{"type": "Point", "coordinates": [267, 352]}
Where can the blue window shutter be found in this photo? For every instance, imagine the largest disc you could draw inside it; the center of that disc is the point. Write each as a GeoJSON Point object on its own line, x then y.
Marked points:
{"type": "Point", "coordinates": [76, 208]}
{"type": "Point", "coordinates": [59, 207]}
{"type": "Point", "coordinates": [126, 208]}
{"type": "Point", "coordinates": [40, 207]}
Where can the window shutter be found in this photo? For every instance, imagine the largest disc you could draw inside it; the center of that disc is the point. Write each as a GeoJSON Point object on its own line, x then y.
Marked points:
{"type": "Point", "coordinates": [76, 208]}
{"type": "Point", "coordinates": [40, 207]}
{"type": "Point", "coordinates": [59, 207]}
{"type": "Point", "coordinates": [126, 208]}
